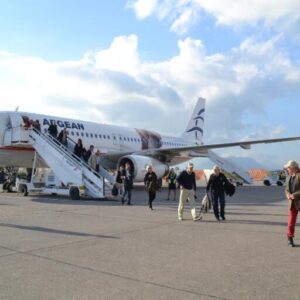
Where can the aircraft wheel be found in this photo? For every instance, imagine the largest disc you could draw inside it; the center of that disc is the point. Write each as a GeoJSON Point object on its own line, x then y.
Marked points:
{"type": "Point", "coordinates": [74, 193]}
{"type": "Point", "coordinates": [10, 187]}
{"type": "Point", "coordinates": [5, 185]}
{"type": "Point", "coordinates": [23, 190]}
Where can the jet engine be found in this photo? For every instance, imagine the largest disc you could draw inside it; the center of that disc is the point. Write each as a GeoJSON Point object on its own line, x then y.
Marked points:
{"type": "Point", "coordinates": [139, 163]}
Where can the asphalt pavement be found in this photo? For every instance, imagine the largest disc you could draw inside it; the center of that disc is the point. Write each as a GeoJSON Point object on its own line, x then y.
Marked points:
{"type": "Point", "coordinates": [55, 248]}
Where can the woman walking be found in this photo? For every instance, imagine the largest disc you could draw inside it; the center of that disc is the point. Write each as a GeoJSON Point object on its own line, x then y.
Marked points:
{"type": "Point", "coordinates": [150, 181]}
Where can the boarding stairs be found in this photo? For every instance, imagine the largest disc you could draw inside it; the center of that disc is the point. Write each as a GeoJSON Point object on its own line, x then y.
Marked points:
{"type": "Point", "coordinates": [69, 169]}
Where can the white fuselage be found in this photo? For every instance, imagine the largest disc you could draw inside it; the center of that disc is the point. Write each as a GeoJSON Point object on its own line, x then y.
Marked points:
{"type": "Point", "coordinates": [105, 138]}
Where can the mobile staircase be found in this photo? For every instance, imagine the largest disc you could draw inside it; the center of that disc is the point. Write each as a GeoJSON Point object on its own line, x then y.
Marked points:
{"type": "Point", "coordinates": [75, 177]}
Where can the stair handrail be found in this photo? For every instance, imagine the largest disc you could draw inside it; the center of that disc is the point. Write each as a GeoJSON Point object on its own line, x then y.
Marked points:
{"type": "Point", "coordinates": [65, 150]}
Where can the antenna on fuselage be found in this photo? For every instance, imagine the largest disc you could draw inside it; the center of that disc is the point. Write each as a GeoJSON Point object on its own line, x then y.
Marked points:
{"type": "Point", "coordinates": [17, 108]}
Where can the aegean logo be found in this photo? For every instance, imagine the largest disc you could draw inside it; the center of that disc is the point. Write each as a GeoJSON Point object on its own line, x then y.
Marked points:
{"type": "Point", "coordinates": [196, 128]}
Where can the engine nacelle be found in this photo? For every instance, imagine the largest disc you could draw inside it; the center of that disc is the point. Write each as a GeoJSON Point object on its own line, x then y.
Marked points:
{"type": "Point", "coordinates": [139, 163]}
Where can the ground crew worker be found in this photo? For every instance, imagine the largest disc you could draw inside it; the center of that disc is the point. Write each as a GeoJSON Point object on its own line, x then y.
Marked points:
{"type": "Point", "coordinates": [172, 183]}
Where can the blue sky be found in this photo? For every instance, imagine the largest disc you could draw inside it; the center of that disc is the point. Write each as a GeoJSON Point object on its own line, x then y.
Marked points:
{"type": "Point", "coordinates": [157, 57]}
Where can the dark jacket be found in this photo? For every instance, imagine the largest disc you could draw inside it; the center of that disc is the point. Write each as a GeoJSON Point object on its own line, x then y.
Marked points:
{"type": "Point", "coordinates": [78, 149]}
{"type": "Point", "coordinates": [295, 191]}
{"type": "Point", "coordinates": [217, 183]}
{"type": "Point", "coordinates": [187, 180]}
{"type": "Point", "coordinates": [53, 130]}
{"type": "Point", "coordinates": [87, 155]}
{"type": "Point", "coordinates": [127, 179]}
{"type": "Point", "coordinates": [119, 177]}
{"type": "Point", "coordinates": [150, 181]}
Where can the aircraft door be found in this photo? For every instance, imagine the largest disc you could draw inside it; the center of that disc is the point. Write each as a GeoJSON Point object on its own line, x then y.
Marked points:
{"type": "Point", "coordinates": [15, 128]}
{"type": "Point", "coordinates": [15, 120]}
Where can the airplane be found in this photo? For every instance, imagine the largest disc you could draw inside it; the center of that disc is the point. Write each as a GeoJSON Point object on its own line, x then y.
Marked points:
{"type": "Point", "coordinates": [118, 145]}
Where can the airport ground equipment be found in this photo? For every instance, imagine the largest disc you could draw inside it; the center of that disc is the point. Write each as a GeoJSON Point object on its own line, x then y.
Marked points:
{"type": "Point", "coordinates": [74, 176]}
{"type": "Point", "coordinates": [230, 167]}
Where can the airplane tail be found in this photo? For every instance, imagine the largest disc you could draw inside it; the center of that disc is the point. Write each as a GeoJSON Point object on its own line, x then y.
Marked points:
{"type": "Point", "coordinates": [194, 129]}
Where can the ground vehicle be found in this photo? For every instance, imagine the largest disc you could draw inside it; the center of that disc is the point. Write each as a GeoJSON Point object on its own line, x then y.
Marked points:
{"type": "Point", "coordinates": [268, 181]}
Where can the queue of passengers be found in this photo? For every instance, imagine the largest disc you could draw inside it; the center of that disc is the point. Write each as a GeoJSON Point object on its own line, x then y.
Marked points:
{"type": "Point", "coordinates": [89, 157]}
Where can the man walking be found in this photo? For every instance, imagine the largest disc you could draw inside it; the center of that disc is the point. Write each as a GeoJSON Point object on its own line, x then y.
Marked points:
{"type": "Point", "coordinates": [187, 183]}
{"type": "Point", "coordinates": [216, 184]}
{"type": "Point", "coordinates": [292, 192]}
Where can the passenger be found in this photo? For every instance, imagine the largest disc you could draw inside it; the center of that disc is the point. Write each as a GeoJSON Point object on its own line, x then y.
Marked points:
{"type": "Point", "coordinates": [63, 137]}
{"type": "Point", "coordinates": [26, 122]}
{"type": "Point", "coordinates": [127, 178]}
{"type": "Point", "coordinates": [187, 183]}
{"type": "Point", "coordinates": [53, 129]}
{"type": "Point", "coordinates": [92, 162]}
{"type": "Point", "coordinates": [84, 153]}
{"type": "Point", "coordinates": [150, 181]}
{"type": "Point", "coordinates": [172, 183]}
{"type": "Point", "coordinates": [119, 181]}
{"type": "Point", "coordinates": [78, 149]}
{"type": "Point", "coordinates": [98, 158]}
{"type": "Point", "coordinates": [216, 185]}
{"type": "Point", "coordinates": [292, 192]}
{"type": "Point", "coordinates": [36, 124]}
{"type": "Point", "coordinates": [88, 153]}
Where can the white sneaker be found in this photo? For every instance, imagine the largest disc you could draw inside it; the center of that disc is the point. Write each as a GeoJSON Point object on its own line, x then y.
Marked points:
{"type": "Point", "coordinates": [198, 218]}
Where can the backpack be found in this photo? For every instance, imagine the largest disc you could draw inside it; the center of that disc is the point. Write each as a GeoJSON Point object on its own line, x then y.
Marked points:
{"type": "Point", "coordinates": [229, 189]}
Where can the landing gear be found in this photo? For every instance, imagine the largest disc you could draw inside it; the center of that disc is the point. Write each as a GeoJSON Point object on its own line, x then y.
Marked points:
{"type": "Point", "coordinates": [23, 190]}
{"type": "Point", "coordinates": [10, 175]}
{"type": "Point", "coordinates": [10, 187]}
{"type": "Point", "coordinates": [74, 193]}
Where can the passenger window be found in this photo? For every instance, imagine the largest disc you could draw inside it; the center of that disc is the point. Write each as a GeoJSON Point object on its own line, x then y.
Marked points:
{"type": "Point", "coordinates": [77, 133]}
{"type": "Point", "coordinates": [104, 136]}
{"type": "Point", "coordinates": [87, 135]}
{"type": "Point", "coordinates": [96, 135]}
{"type": "Point", "coordinates": [72, 132]}
{"type": "Point", "coordinates": [92, 135]}
{"type": "Point", "coordinates": [108, 137]}
{"type": "Point", "coordinates": [82, 134]}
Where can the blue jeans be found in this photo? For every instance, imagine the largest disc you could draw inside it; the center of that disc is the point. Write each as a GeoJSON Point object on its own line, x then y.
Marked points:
{"type": "Point", "coordinates": [127, 192]}
{"type": "Point", "coordinates": [218, 198]}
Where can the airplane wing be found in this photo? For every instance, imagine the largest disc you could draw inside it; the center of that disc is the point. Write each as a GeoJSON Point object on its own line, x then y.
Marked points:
{"type": "Point", "coordinates": [195, 151]}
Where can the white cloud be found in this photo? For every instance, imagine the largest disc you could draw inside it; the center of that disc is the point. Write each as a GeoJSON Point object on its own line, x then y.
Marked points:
{"type": "Point", "coordinates": [114, 85]}
{"type": "Point", "coordinates": [122, 55]}
{"type": "Point", "coordinates": [184, 13]}
{"type": "Point", "coordinates": [143, 8]}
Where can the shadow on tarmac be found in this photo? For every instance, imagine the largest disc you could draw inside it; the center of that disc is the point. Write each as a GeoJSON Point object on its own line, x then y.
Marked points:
{"type": "Point", "coordinates": [56, 231]}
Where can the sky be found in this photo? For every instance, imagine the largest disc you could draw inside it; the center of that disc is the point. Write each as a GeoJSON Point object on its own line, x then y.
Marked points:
{"type": "Point", "coordinates": [144, 63]}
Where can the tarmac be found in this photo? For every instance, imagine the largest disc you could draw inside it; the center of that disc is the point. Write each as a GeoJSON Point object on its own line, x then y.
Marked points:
{"type": "Point", "coordinates": [55, 248]}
